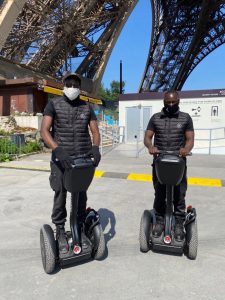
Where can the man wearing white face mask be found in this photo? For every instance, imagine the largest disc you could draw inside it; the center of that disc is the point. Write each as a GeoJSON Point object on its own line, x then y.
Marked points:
{"type": "Point", "coordinates": [70, 118]}
{"type": "Point", "coordinates": [71, 92]}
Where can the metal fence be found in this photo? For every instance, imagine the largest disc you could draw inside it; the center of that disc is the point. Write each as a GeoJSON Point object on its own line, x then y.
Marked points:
{"type": "Point", "coordinates": [210, 140]}
{"type": "Point", "coordinates": [14, 145]}
{"type": "Point", "coordinates": [11, 145]}
{"type": "Point", "coordinates": [207, 141]}
{"type": "Point", "coordinates": [111, 136]}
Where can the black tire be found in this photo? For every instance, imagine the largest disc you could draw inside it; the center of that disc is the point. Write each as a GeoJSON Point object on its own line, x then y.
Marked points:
{"type": "Point", "coordinates": [98, 239]}
{"type": "Point", "coordinates": [48, 248]}
{"type": "Point", "coordinates": [144, 234]}
{"type": "Point", "coordinates": [192, 240]}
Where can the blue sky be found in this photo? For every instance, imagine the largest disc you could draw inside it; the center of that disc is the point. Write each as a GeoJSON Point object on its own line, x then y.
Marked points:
{"type": "Point", "coordinates": [132, 48]}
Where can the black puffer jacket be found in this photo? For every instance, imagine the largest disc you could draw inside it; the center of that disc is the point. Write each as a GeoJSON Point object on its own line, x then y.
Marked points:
{"type": "Point", "coordinates": [70, 127]}
{"type": "Point", "coordinates": [170, 130]}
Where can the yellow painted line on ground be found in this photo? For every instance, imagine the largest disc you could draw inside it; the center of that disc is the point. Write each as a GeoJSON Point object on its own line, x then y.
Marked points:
{"type": "Point", "coordinates": [24, 168]}
{"type": "Point", "coordinates": [211, 182]}
{"type": "Point", "coordinates": [139, 177]}
{"type": "Point", "coordinates": [205, 181]}
{"type": "Point", "coordinates": [98, 173]}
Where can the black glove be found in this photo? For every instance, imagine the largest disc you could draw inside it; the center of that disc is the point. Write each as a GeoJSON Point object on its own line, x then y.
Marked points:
{"type": "Point", "coordinates": [65, 160]}
{"type": "Point", "coordinates": [96, 154]}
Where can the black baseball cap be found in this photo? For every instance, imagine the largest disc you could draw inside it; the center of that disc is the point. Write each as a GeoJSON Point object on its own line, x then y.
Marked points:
{"type": "Point", "coordinates": [72, 75]}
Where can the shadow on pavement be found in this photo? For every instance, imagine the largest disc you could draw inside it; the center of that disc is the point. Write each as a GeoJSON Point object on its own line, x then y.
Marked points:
{"type": "Point", "coordinates": [107, 217]}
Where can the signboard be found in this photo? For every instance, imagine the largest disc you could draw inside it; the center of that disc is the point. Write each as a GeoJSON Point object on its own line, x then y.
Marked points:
{"type": "Point", "coordinates": [205, 112]}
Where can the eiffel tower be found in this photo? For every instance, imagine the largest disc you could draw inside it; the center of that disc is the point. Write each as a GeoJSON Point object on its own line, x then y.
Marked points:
{"type": "Point", "coordinates": [183, 34]}
{"type": "Point", "coordinates": [51, 36]}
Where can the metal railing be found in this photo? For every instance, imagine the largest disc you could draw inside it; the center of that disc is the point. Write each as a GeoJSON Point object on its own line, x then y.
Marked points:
{"type": "Point", "coordinates": [111, 136]}
{"type": "Point", "coordinates": [140, 147]}
{"type": "Point", "coordinates": [207, 141]}
{"type": "Point", "coordinates": [11, 146]}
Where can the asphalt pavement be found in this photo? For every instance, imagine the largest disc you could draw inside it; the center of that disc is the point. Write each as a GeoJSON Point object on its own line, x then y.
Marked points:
{"type": "Point", "coordinates": [125, 273]}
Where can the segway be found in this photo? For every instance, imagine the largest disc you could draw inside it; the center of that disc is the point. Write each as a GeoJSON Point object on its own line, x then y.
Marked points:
{"type": "Point", "coordinates": [86, 239]}
{"type": "Point", "coordinates": [169, 168]}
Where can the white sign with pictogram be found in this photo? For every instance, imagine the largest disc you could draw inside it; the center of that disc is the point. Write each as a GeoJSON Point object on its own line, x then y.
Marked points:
{"type": "Point", "coordinates": [205, 112]}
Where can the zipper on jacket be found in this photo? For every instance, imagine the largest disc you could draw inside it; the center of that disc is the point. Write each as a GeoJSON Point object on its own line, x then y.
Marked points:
{"type": "Point", "coordinates": [168, 134]}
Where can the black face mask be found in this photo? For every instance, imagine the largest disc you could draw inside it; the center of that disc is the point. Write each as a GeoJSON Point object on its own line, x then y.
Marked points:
{"type": "Point", "coordinates": [171, 109]}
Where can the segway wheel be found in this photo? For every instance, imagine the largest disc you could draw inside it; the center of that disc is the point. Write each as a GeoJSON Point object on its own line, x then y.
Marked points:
{"type": "Point", "coordinates": [48, 248]}
{"type": "Point", "coordinates": [98, 239]}
{"type": "Point", "coordinates": [192, 239]}
{"type": "Point", "coordinates": [144, 234]}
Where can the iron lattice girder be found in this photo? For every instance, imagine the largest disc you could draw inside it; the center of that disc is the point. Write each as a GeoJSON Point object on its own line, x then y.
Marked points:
{"type": "Point", "coordinates": [27, 28]}
{"type": "Point", "coordinates": [48, 32]}
{"type": "Point", "coordinates": [184, 33]}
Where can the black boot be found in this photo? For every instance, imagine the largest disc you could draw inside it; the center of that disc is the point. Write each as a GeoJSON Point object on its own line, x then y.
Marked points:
{"type": "Point", "coordinates": [159, 226]}
{"type": "Point", "coordinates": [179, 229]}
{"type": "Point", "coordinates": [62, 239]}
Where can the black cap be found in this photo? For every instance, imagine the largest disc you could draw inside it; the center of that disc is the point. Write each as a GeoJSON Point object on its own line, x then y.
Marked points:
{"type": "Point", "coordinates": [72, 75]}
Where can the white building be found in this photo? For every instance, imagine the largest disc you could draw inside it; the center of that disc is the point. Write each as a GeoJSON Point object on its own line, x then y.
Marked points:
{"type": "Point", "coordinates": [206, 107]}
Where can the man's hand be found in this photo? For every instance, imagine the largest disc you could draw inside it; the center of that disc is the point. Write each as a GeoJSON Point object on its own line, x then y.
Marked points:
{"type": "Point", "coordinates": [96, 154]}
{"type": "Point", "coordinates": [183, 152]}
{"type": "Point", "coordinates": [63, 157]}
{"type": "Point", "coordinates": [153, 150]}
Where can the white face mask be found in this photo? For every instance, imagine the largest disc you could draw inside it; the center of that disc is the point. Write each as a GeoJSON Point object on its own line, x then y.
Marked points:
{"type": "Point", "coordinates": [71, 93]}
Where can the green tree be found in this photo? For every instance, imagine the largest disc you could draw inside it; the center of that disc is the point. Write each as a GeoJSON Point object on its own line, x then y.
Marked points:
{"type": "Point", "coordinates": [115, 89]}
{"type": "Point", "coordinates": [111, 97]}
{"type": "Point", "coordinates": [111, 94]}
{"type": "Point", "coordinates": [103, 93]}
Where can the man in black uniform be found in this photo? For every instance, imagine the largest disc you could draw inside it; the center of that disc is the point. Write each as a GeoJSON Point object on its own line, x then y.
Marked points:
{"type": "Point", "coordinates": [172, 131]}
{"type": "Point", "coordinates": [70, 118]}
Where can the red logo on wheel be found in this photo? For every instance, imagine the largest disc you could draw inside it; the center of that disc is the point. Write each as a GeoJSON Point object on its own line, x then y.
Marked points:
{"type": "Point", "coordinates": [77, 249]}
{"type": "Point", "coordinates": [167, 239]}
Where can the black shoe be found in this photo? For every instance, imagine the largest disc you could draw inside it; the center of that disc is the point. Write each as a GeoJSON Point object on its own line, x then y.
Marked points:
{"type": "Point", "coordinates": [62, 239]}
{"type": "Point", "coordinates": [159, 226]}
{"type": "Point", "coordinates": [179, 229]}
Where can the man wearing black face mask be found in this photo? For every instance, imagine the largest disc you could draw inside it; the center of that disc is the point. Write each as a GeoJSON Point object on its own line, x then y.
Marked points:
{"type": "Point", "coordinates": [70, 118]}
{"type": "Point", "coordinates": [172, 131]}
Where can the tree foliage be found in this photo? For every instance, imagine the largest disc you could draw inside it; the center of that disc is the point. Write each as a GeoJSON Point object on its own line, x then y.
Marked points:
{"type": "Point", "coordinates": [111, 98]}
{"type": "Point", "coordinates": [111, 94]}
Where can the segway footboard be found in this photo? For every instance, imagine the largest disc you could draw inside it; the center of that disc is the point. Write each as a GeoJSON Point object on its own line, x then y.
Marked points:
{"type": "Point", "coordinates": [166, 244]}
{"type": "Point", "coordinates": [159, 245]}
{"type": "Point", "coordinates": [70, 257]}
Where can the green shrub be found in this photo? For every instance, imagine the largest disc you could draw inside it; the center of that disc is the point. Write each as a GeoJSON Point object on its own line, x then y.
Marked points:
{"type": "Point", "coordinates": [7, 147]}
{"type": "Point", "coordinates": [5, 157]}
{"type": "Point", "coordinates": [30, 147]}
{"type": "Point", "coordinates": [3, 132]}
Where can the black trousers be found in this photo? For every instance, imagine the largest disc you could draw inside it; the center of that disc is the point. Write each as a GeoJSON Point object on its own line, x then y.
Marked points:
{"type": "Point", "coordinates": [179, 195]}
{"type": "Point", "coordinates": [59, 212]}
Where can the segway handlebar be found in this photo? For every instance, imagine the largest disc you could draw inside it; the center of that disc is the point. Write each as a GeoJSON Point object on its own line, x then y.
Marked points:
{"type": "Point", "coordinates": [82, 156]}
{"type": "Point", "coordinates": [177, 153]}
{"type": "Point", "coordinates": [82, 160]}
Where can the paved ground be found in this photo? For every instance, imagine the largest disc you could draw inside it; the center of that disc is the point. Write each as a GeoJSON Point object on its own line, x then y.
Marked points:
{"type": "Point", "coordinates": [125, 273]}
